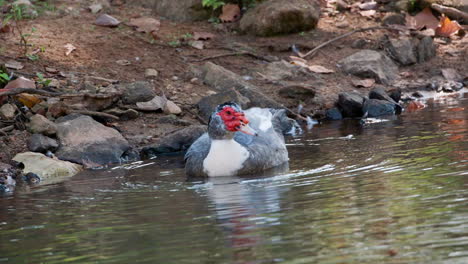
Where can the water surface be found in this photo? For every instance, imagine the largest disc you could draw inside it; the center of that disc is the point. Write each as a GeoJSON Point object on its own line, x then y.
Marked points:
{"type": "Point", "coordinates": [388, 192]}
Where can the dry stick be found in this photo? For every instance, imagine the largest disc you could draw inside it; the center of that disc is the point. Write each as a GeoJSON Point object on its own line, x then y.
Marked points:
{"type": "Point", "coordinates": [7, 129]}
{"type": "Point", "coordinates": [451, 12]}
{"type": "Point", "coordinates": [343, 36]}
{"type": "Point", "coordinates": [219, 56]}
{"type": "Point", "coordinates": [30, 91]}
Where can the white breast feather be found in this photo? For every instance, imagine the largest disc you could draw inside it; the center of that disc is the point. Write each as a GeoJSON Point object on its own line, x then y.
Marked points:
{"type": "Point", "coordinates": [225, 158]}
{"type": "Point", "coordinates": [262, 116]}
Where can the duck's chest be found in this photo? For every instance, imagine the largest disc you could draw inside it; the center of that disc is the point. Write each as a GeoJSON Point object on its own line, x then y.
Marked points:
{"type": "Point", "coordinates": [225, 158]}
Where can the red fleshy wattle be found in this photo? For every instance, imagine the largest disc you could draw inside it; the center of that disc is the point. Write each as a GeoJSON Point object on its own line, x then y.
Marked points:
{"type": "Point", "coordinates": [232, 119]}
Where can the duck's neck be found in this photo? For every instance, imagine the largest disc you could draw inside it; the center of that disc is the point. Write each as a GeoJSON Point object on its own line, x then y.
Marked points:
{"type": "Point", "coordinates": [225, 157]}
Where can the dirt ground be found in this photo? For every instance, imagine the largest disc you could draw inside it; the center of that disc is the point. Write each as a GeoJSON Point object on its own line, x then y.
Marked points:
{"type": "Point", "coordinates": [99, 48]}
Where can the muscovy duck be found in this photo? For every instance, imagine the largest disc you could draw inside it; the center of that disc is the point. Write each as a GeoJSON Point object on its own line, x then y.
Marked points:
{"type": "Point", "coordinates": [240, 142]}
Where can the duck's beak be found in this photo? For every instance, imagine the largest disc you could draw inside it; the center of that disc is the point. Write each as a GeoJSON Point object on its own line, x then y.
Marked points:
{"type": "Point", "coordinates": [246, 129]}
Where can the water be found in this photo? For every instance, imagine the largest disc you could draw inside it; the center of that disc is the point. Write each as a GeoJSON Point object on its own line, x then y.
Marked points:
{"type": "Point", "coordinates": [385, 192]}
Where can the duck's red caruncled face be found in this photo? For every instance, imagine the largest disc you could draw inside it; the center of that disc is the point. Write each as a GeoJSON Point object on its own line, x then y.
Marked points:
{"type": "Point", "coordinates": [232, 119]}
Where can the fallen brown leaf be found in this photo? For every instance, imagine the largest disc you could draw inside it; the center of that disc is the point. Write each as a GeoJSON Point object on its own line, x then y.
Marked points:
{"type": "Point", "coordinates": [202, 35]}
{"type": "Point", "coordinates": [231, 13]}
{"type": "Point", "coordinates": [424, 19]}
{"type": "Point", "coordinates": [20, 82]}
{"type": "Point", "coordinates": [69, 48]}
{"type": "Point", "coordinates": [145, 24]}
{"type": "Point", "coordinates": [447, 27]}
{"type": "Point", "coordinates": [366, 83]}
{"type": "Point", "coordinates": [28, 100]}
{"type": "Point", "coordinates": [319, 69]}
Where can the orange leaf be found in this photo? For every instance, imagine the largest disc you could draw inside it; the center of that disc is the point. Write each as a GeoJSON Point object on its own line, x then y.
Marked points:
{"type": "Point", "coordinates": [28, 100]}
{"type": "Point", "coordinates": [424, 19]}
{"type": "Point", "coordinates": [414, 105]}
{"type": "Point", "coordinates": [447, 27]}
{"type": "Point", "coordinates": [230, 13]}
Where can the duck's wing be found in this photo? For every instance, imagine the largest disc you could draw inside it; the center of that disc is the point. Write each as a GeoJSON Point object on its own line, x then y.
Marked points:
{"type": "Point", "coordinates": [195, 156]}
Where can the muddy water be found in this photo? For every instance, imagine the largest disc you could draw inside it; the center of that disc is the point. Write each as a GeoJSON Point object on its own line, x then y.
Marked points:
{"type": "Point", "coordinates": [389, 192]}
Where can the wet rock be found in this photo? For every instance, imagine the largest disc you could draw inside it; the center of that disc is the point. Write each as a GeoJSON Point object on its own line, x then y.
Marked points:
{"type": "Point", "coordinates": [333, 114]}
{"type": "Point", "coordinates": [173, 120]}
{"type": "Point", "coordinates": [178, 141]}
{"type": "Point", "coordinates": [172, 108]}
{"type": "Point", "coordinates": [351, 104]}
{"type": "Point", "coordinates": [208, 104]}
{"type": "Point", "coordinates": [47, 168]}
{"type": "Point", "coordinates": [370, 64]}
{"type": "Point", "coordinates": [297, 92]}
{"type": "Point", "coordinates": [83, 140]}
{"type": "Point", "coordinates": [128, 114]}
{"type": "Point", "coordinates": [8, 111]}
{"type": "Point", "coordinates": [39, 124]}
{"type": "Point", "coordinates": [376, 108]}
{"type": "Point", "coordinates": [380, 94]}
{"type": "Point", "coordinates": [274, 17]}
{"type": "Point", "coordinates": [222, 79]}
{"type": "Point", "coordinates": [106, 20]}
{"type": "Point", "coordinates": [426, 49]}
{"type": "Point", "coordinates": [394, 19]}
{"type": "Point", "coordinates": [157, 103]}
{"type": "Point", "coordinates": [140, 91]}
{"type": "Point", "coordinates": [8, 176]}
{"type": "Point", "coordinates": [395, 94]}
{"type": "Point", "coordinates": [402, 51]}
{"type": "Point", "coordinates": [151, 73]}
{"type": "Point", "coordinates": [41, 143]}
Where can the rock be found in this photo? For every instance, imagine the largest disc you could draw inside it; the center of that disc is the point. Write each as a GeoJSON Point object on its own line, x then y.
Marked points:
{"type": "Point", "coordinates": [370, 64]}
{"type": "Point", "coordinates": [173, 120]}
{"type": "Point", "coordinates": [178, 141]}
{"type": "Point", "coordinates": [105, 20]}
{"type": "Point", "coordinates": [333, 114]}
{"type": "Point", "coordinates": [8, 111]}
{"type": "Point", "coordinates": [20, 82]}
{"type": "Point", "coordinates": [47, 168]}
{"type": "Point", "coordinates": [128, 114]}
{"type": "Point", "coordinates": [351, 104]}
{"type": "Point", "coordinates": [283, 70]}
{"type": "Point", "coordinates": [274, 17]}
{"type": "Point", "coordinates": [95, 8]}
{"type": "Point", "coordinates": [376, 108]}
{"type": "Point", "coordinates": [401, 50]}
{"type": "Point", "coordinates": [40, 143]}
{"type": "Point", "coordinates": [395, 94]}
{"type": "Point", "coordinates": [183, 11]}
{"type": "Point", "coordinates": [393, 19]}
{"type": "Point", "coordinates": [140, 91]}
{"type": "Point", "coordinates": [83, 141]}
{"type": "Point", "coordinates": [222, 79]}
{"type": "Point", "coordinates": [39, 124]}
{"type": "Point", "coordinates": [341, 5]}
{"type": "Point", "coordinates": [297, 92]}
{"type": "Point", "coordinates": [380, 94]}
{"type": "Point", "coordinates": [208, 104]}
{"type": "Point", "coordinates": [150, 73]}
{"type": "Point", "coordinates": [342, 24]}
{"type": "Point", "coordinates": [172, 108]}
{"type": "Point", "coordinates": [426, 49]}
{"type": "Point", "coordinates": [359, 44]}
{"type": "Point", "coordinates": [157, 103]}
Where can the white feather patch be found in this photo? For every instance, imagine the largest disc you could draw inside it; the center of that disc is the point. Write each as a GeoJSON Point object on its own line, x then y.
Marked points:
{"type": "Point", "coordinates": [260, 115]}
{"type": "Point", "coordinates": [225, 158]}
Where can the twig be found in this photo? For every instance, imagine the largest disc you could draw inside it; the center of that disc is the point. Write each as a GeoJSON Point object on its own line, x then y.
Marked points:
{"type": "Point", "coordinates": [219, 56]}
{"type": "Point", "coordinates": [93, 113]}
{"type": "Point", "coordinates": [344, 36]}
{"type": "Point", "coordinates": [28, 90]}
{"type": "Point", "coordinates": [7, 129]}
{"type": "Point", "coordinates": [451, 12]}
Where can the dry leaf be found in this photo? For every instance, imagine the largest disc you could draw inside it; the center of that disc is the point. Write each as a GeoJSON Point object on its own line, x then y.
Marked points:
{"type": "Point", "coordinates": [366, 83]}
{"type": "Point", "coordinates": [319, 69]}
{"type": "Point", "coordinates": [424, 19]}
{"type": "Point", "coordinates": [16, 65]}
{"type": "Point", "coordinates": [28, 100]}
{"type": "Point", "coordinates": [447, 27]}
{"type": "Point", "coordinates": [51, 70]}
{"type": "Point", "coordinates": [414, 106]}
{"type": "Point", "coordinates": [5, 28]}
{"type": "Point", "coordinates": [105, 20]}
{"type": "Point", "coordinates": [20, 82]}
{"type": "Point", "coordinates": [202, 35]}
{"type": "Point", "coordinates": [69, 48]}
{"type": "Point", "coordinates": [231, 13]}
{"type": "Point", "coordinates": [368, 13]}
{"type": "Point", "coordinates": [145, 24]}
{"type": "Point", "coordinates": [298, 61]}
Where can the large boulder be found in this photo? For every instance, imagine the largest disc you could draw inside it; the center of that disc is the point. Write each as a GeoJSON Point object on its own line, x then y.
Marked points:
{"type": "Point", "coordinates": [351, 104]}
{"type": "Point", "coordinates": [85, 141]}
{"type": "Point", "coordinates": [277, 17]}
{"type": "Point", "coordinates": [208, 104]}
{"type": "Point", "coordinates": [140, 91]}
{"type": "Point", "coordinates": [47, 168]}
{"type": "Point", "coordinates": [370, 64]}
{"type": "Point", "coordinates": [178, 141]}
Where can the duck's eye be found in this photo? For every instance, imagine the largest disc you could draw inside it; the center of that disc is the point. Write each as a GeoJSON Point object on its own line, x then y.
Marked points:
{"type": "Point", "coordinates": [228, 112]}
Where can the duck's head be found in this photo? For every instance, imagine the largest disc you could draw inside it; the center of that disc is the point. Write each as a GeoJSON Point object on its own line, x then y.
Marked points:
{"type": "Point", "coordinates": [227, 119]}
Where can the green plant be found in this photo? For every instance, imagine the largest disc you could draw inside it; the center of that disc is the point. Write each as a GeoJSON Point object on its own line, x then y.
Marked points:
{"type": "Point", "coordinates": [174, 43]}
{"type": "Point", "coordinates": [4, 78]}
{"type": "Point", "coordinates": [33, 57]}
{"type": "Point", "coordinates": [187, 36]}
{"type": "Point", "coordinates": [42, 80]}
{"type": "Point", "coordinates": [214, 4]}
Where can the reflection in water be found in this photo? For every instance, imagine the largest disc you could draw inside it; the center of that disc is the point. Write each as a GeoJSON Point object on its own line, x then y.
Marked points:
{"type": "Point", "coordinates": [388, 192]}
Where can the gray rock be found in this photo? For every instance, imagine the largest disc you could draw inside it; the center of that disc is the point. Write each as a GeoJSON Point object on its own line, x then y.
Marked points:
{"type": "Point", "coordinates": [380, 94]}
{"type": "Point", "coordinates": [275, 17]}
{"type": "Point", "coordinates": [39, 124]}
{"type": "Point", "coordinates": [128, 114]}
{"type": "Point", "coordinates": [394, 19]}
{"type": "Point", "coordinates": [283, 70]}
{"type": "Point", "coordinates": [298, 92]}
{"type": "Point", "coordinates": [106, 20]}
{"type": "Point", "coordinates": [151, 73]}
{"type": "Point", "coordinates": [370, 64]}
{"type": "Point", "coordinates": [173, 120]}
{"type": "Point", "coordinates": [351, 104]}
{"type": "Point", "coordinates": [187, 10]}
{"type": "Point", "coordinates": [402, 51]}
{"type": "Point", "coordinates": [172, 108]}
{"type": "Point", "coordinates": [426, 49]}
{"type": "Point", "coordinates": [376, 108]}
{"type": "Point", "coordinates": [359, 43]}
{"type": "Point", "coordinates": [178, 141]}
{"type": "Point", "coordinates": [140, 91]}
{"type": "Point", "coordinates": [208, 104]}
{"type": "Point", "coordinates": [395, 94]}
{"type": "Point", "coordinates": [333, 114]}
{"type": "Point", "coordinates": [50, 170]}
{"type": "Point", "coordinates": [222, 79]}
{"type": "Point", "coordinates": [157, 103]}
{"type": "Point", "coordinates": [85, 141]}
{"type": "Point", "coordinates": [8, 111]}
{"type": "Point", "coordinates": [41, 143]}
